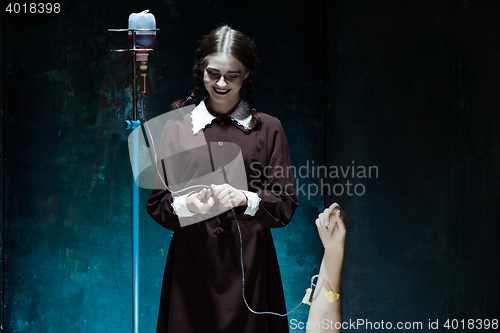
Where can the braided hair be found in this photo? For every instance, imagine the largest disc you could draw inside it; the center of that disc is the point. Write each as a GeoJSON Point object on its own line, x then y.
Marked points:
{"type": "Point", "coordinates": [238, 45]}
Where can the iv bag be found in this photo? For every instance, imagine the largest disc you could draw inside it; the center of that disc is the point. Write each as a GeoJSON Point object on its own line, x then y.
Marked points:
{"type": "Point", "coordinates": [143, 39]}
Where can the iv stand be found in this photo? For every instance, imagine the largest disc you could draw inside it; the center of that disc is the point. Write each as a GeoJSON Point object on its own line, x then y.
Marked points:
{"type": "Point", "coordinates": [132, 124]}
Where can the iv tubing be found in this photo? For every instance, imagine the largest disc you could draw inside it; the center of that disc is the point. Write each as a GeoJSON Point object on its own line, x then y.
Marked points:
{"type": "Point", "coordinates": [243, 269]}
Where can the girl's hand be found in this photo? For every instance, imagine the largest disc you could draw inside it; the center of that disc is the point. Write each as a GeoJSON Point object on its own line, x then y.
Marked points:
{"type": "Point", "coordinates": [196, 202]}
{"type": "Point", "coordinates": [229, 196]}
{"type": "Point", "coordinates": [331, 226]}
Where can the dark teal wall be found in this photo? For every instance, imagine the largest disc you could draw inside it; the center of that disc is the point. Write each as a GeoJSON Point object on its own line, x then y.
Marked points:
{"type": "Point", "coordinates": [408, 87]}
{"type": "Point", "coordinates": [412, 88]}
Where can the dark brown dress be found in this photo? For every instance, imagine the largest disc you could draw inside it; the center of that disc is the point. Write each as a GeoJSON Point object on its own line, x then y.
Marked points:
{"type": "Point", "coordinates": [202, 283]}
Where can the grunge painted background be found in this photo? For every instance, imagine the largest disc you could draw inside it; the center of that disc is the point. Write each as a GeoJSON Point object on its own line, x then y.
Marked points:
{"type": "Point", "coordinates": [408, 87]}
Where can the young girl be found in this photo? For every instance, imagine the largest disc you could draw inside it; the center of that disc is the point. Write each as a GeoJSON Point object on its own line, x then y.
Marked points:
{"type": "Point", "coordinates": [202, 284]}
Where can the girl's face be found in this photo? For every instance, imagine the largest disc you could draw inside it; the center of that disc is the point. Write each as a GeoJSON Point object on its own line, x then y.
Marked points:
{"type": "Point", "coordinates": [223, 77]}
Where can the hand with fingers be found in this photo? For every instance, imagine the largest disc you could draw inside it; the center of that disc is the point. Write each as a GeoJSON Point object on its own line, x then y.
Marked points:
{"type": "Point", "coordinates": [229, 196]}
{"type": "Point", "coordinates": [332, 231]}
{"type": "Point", "coordinates": [200, 202]}
{"type": "Point", "coordinates": [331, 226]}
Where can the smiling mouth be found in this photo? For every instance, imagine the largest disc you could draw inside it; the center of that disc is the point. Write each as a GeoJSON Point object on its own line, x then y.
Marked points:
{"type": "Point", "coordinates": [221, 91]}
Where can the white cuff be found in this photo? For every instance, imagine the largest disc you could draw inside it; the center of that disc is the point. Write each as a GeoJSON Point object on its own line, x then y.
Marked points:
{"type": "Point", "coordinates": [252, 203]}
{"type": "Point", "coordinates": [180, 207]}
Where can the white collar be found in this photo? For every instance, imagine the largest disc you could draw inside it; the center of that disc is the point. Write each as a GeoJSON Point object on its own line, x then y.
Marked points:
{"type": "Point", "coordinates": [200, 117]}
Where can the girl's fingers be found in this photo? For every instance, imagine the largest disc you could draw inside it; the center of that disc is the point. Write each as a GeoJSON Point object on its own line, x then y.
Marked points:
{"type": "Point", "coordinates": [224, 197]}
{"type": "Point", "coordinates": [320, 219]}
{"type": "Point", "coordinates": [224, 193]}
{"type": "Point", "coordinates": [215, 189]}
{"type": "Point", "coordinates": [326, 222]}
{"type": "Point", "coordinates": [219, 188]}
{"type": "Point", "coordinates": [325, 217]}
{"type": "Point", "coordinates": [321, 227]}
{"type": "Point", "coordinates": [339, 213]}
{"type": "Point", "coordinates": [334, 206]}
{"type": "Point", "coordinates": [341, 221]}
{"type": "Point", "coordinates": [221, 191]}
{"type": "Point", "coordinates": [205, 207]}
{"type": "Point", "coordinates": [334, 216]}
{"type": "Point", "coordinates": [201, 195]}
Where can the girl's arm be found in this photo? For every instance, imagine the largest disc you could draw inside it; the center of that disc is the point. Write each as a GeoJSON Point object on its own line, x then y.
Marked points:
{"type": "Point", "coordinates": [159, 207]}
{"type": "Point", "coordinates": [324, 314]}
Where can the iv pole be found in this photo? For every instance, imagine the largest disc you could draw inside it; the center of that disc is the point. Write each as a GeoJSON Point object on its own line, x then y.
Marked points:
{"type": "Point", "coordinates": [132, 124]}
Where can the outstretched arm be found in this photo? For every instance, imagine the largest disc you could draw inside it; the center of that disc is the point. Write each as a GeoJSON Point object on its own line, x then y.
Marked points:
{"type": "Point", "coordinates": [324, 314]}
